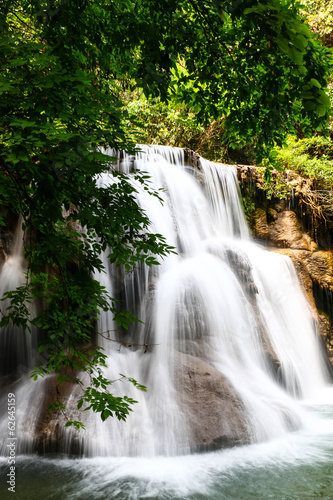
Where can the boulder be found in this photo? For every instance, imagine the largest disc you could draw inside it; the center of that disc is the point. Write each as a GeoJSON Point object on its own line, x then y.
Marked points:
{"type": "Point", "coordinates": [215, 414]}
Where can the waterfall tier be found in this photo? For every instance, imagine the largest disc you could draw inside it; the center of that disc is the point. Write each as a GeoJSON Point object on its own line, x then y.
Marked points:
{"type": "Point", "coordinates": [231, 346]}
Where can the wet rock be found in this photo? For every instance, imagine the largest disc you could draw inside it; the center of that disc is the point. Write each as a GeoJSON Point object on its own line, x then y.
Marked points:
{"type": "Point", "coordinates": [259, 224]}
{"type": "Point", "coordinates": [314, 268]}
{"type": "Point", "coordinates": [242, 267]}
{"type": "Point", "coordinates": [299, 259]}
{"type": "Point", "coordinates": [286, 231]}
{"type": "Point", "coordinates": [280, 205]}
{"type": "Point", "coordinates": [50, 434]}
{"type": "Point", "coordinates": [192, 158]}
{"type": "Point", "coordinates": [2, 254]}
{"type": "Point", "coordinates": [326, 331]}
{"type": "Point", "coordinates": [272, 215]}
{"type": "Point", "coordinates": [320, 267]}
{"type": "Point", "coordinates": [215, 414]}
{"type": "Point", "coordinates": [297, 226]}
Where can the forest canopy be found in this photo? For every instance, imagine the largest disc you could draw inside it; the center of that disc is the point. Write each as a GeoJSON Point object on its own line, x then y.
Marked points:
{"type": "Point", "coordinates": [65, 67]}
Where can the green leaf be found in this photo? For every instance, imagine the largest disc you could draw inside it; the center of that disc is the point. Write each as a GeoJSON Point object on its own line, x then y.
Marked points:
{"type": "Point", "coordinates": [105, 414]}
{"type": "Point", "coordinates": [295, 55]}
{"type": "Point", "coordinates": [315, 83]}
{"type": "Point", "coordinates": [309, 105]}
{"type": "Point", "coordinates": [324, 99]}
{"type": "Point", "coordinates": [321, 110]}
{"type": "Point", "coordinates": [300, 42]}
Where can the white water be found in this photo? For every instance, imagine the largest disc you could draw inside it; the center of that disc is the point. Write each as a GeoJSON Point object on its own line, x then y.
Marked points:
{"type": "Point", "coordinates": [196, 303]}
{"type": "Point", "coordinates": [16, 346]}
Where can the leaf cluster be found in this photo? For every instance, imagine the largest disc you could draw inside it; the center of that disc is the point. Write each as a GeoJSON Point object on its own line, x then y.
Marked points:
{"type": "Point", "coordinates": [312, 157]}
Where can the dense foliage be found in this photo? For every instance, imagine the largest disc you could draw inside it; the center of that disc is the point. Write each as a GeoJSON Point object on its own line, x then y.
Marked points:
{"type": "Point", "coordinates": [319, 16]}
{"type": "Point", "coordinates": [312, 157]}
{"type": "Point", "coordinates": [64, 66]}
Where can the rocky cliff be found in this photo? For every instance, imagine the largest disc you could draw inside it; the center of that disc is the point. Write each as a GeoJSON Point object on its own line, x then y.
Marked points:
{"type": "Point", "coordinates": [289, 218]}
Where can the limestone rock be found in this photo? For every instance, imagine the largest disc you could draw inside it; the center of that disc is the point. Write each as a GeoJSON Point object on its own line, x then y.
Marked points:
{"type": "Point", "coordinates": [50, 435]}
{"type": "Point", "coordinates": [259, 222]}
{"type": "Point", "coordinates": [286, 231]}
{"type": "Point", "coordinates": [320, 267]}
{"type": "Point", "coordinates": [215, 414]}
{"type": "Point", "coordinates": [297, 226]}
{"type": "Point", "coordinates": [312, 267]}
{"type": "Point", "coordinates": [326, 332]}
{"type": "Point", "coordinates": [2, 254]}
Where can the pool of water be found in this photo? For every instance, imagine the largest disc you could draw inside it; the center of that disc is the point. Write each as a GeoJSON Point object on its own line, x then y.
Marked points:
{"type": "Point", "coordinates": [299, 466]}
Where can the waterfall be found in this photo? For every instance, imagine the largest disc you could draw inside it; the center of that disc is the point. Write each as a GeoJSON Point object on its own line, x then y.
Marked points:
{"type": "Point", "coordinates": [16, 346]}
{"type": "Point", "coordinates": [227, 347]}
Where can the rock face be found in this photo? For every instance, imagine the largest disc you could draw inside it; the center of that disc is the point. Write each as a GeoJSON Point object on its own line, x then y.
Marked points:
{"type": "Point", "coordinates": [214, 411]}
{"type": "Point", "coordinates": [286, 231]}
{"type": "Point", "coordinates": [286, 211]}
{"type": "Point", "coordinates": [2, 254]}
{"type": "Point", "coordinates": [49, 431]}
{"type": "Point", "coordinates": [315, 272]}
{"type": "Point", "coordinates": [292, 228]}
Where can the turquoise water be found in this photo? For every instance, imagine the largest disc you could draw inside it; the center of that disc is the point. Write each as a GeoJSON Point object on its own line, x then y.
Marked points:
{"type": "Point", "coordinates": [299, 466]}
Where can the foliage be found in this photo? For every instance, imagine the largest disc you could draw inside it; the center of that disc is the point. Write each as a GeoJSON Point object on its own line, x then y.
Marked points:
{"type": "Point", "coordinates": [64, 66]}
{"type": "Point", "coordinates": [249, 206]}
{"type": "Point", "coordinates": [262, 70]}
{"type": "Point", "coordinates": [312, 157]}
{"type": "Point", "coordinates": [319, 15]}
{"type": "Point", "coordinates": [153, 121]}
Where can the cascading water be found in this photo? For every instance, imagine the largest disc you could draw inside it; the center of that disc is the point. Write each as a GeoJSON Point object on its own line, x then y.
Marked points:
{"type": "Point", "coordinates": [15, 345]}
{"type": "Point", "coordinates": [223, 307]}
{"type": "Point", "coordinates": [231, 345]}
